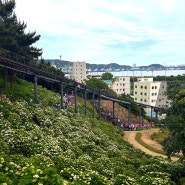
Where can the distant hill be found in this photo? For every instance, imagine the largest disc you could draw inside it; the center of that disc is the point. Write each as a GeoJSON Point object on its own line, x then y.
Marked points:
{"type": "Point", "coordinates": [107, 67]}
{"type": "Point", "coordinates": [92, 67]}
{"type": "Point", "coordinates": [110, 67]}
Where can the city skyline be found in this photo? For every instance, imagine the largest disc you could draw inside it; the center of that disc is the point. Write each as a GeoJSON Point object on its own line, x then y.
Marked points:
{"type": "Point", "coordinates": [103, 32]}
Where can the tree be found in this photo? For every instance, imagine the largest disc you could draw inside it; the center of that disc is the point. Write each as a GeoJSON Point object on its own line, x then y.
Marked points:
{"type": "Point", "coordinates": [175, 123]}
{"type": "Point", "coordinates": [107, 76]}
{"type": "Point", "coordinates": [96, 83]}
{"type": "Point", "coordinates": [175, 84]}
{"type": "Point", "coordinates": [13, 35]}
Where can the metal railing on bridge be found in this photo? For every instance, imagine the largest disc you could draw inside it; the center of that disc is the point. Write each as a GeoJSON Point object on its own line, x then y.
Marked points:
{"type": "Point", "coordinates": [21, 64]}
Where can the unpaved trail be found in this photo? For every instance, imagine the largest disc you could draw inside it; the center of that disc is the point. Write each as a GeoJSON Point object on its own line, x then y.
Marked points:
{"type": "Point", "coordinates": [129, 136]}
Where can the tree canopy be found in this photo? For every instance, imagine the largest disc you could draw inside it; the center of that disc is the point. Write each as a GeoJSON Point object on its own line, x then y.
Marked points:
{"type": "Point", "coordinates": [107, 76]}
{"type": "Point", "coordinates": [13, 36]}
{"type": "Point", "coordinates": [96, 83]}
{"type": "Point", "coordinates": [175, 84]}
{"type": "Point", "coordinates": [175, 123]}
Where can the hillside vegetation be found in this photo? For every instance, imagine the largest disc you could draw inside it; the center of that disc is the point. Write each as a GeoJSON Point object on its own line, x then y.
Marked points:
{"type": "Point", "coordinates": [40, 144]}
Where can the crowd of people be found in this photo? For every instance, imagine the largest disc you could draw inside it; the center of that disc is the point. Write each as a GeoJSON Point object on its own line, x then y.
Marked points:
{"type": "Point", "coordinates": [118, 122]}
{"type": "Point", "coordinates": [66, 101]}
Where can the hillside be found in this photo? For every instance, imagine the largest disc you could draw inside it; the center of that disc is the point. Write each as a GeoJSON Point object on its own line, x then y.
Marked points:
{"type": "Point", "coordinates": [40, 144]}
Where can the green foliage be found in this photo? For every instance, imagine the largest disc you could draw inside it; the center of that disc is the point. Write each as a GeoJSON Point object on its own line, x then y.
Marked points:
{"type": "Point", "coordinates": [22, 171]}
{"type": "Point", "coordinates": [175, 84]}
{"type": "Point", "coordinates": [96, 83]}
{"type": "Point", "coordinates": [161, 135]}
{"type": "Point", "coordinates": [13, 35]}
{"type": "Point", "coordinates": [23, 90]}
{"type": "Point", "coordinates": [107, 76]}
{"type": "Point", "coordinates": [45, 145]}
{"type": "Point", "coordinates": [175, 123]}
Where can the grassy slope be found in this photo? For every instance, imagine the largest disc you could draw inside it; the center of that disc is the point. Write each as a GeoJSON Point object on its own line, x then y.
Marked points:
{"type": "Point", "coordinates": [69, 146]}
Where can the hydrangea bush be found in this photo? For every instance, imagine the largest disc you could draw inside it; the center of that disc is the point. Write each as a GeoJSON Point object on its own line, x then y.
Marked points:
{"type": "Point", "coordinates": [40, 144]}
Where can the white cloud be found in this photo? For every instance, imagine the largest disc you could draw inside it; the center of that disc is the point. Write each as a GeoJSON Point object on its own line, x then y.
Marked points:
{"type": "Point", "coordinates": [107, 30]}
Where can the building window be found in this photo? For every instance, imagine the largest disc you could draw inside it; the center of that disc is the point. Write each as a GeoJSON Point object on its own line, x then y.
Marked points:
{"type": "Point", "coordinates": [144, 100]}
{"type": "Point", "coordinates": [141, 87]}
{"type": "Point", "coordinates": [152, 87]}
{"type": "Point", "coordinates": [141, 93]}
{"type": "Point", "coordinates": [135, 92]}
{"type": "Point", "coordinates": [136, 99]}
{"type": "Point", "coordinates": [155, 87]}
{"type": "Point", "coordinates": [123, 79]}
{"type": "Point", "coordinates": [135, 86]}
{"type": "Point", "coordinates": [145, 94]}
{"type": "Point", "coordinates": [145, 87]}
{"type": "Point", "coordinates": [141, 99]}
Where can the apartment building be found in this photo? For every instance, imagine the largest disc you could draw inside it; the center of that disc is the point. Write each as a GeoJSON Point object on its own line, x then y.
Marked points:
{"type": "Point", "coordinates": [119, 84]}
{"type": "Point", "coordinates": [78, 71]}
{"type": "Point", "coordinates": [149, 92]}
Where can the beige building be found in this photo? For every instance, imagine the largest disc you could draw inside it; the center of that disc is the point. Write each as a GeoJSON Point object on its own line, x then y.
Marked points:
{"type": "Point", "coordinates": [149, 92]}
{"type": "Point", "coordinates": [119, 84]}
{"type": "Point", "coordinates": [78, 71]}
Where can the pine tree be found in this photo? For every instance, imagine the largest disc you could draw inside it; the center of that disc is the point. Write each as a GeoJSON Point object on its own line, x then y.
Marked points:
{"type": "Point", "coordinates": [13, 36]}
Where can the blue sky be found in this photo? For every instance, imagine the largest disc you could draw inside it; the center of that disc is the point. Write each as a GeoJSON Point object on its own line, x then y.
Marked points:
{"type": "Point", "coordinates": [126, 32]}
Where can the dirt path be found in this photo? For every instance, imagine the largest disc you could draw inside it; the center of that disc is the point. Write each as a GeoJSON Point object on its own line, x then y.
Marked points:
{"type": "Point", "coordinates": [129, 136]}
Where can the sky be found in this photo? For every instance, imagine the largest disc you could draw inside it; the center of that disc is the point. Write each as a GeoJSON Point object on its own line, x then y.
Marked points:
{"type": "Point", "coordinates": [126, 32]}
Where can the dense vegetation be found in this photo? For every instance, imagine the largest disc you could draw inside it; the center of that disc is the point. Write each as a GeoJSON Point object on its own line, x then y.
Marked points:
{"type": "Point", "coordinates": [175, 123]}
{"type": "Point", "coordinates": [175, 84]}
{"type": "Point", "coordinates": [40, 144]}
{"type": "Point", "coordinates": [175, 119]}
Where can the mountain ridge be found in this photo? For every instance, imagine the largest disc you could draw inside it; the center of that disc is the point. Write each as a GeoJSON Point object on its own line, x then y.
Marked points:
{"type": "Point", "coordinates": [106, 67]}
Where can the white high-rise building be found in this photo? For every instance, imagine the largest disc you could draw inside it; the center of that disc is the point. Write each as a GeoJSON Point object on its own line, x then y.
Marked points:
{"type": "Point", "coordinates": [78, 71]}
{"type": "Point", "coordinates": [149, 92]}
